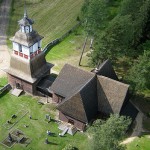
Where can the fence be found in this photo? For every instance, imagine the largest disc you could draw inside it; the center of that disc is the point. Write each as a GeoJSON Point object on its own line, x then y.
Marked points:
{"type": "Point", "coordinates": [50, 45]}
{"type": "Point", "coordinates": [6, 87]}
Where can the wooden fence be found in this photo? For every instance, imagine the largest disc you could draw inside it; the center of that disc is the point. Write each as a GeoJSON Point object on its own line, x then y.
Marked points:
{"type": "Point", "coordinates": [50, 45]}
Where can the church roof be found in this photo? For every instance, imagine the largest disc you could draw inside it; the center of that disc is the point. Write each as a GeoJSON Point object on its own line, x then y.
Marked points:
{"type": "Point", "coordinates": [86, 93]}
{"type": "Point", "coordinates": [24, 69]}
{"type": "Point", "coordinates": [111, 94]}
{"type": "Point", "coordinates": [106, 69]}
{"type": "Point", "coordinates": [25, 21]}
{"type": "Point", "coordinates": [70, 78]}
{"type": "Point", "coordinates": [82, 105]}
{"type": "Point", "coordinates": [26, 39]}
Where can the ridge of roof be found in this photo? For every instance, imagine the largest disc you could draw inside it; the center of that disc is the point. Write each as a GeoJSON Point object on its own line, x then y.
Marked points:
{"type": "Point", "coordinates": [77, 91]}
{"type": "Point", "coordinates": [65, 81]}
{"type": "Point", "coordinates": [101, 76]}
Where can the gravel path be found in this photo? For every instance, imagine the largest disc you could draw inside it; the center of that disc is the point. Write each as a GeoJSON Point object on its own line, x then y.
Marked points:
{"type": "Point", "coordinates": [4, 53]}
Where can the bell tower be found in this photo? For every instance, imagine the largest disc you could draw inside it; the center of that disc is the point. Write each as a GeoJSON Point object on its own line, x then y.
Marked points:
{"type": "Point", "coordinates": [27, 64]}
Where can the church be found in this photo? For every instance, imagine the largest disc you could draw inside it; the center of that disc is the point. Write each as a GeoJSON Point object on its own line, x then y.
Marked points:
{"type": "Point", "coordinates": [81, 96]}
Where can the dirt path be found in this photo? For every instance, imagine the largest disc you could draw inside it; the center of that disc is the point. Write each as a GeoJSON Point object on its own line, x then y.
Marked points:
{"type": "Point", "coordinates": [4, 53]}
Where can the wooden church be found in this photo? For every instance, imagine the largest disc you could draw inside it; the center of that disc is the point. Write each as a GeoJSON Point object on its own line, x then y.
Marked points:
{"type": "Point", "coordinates": [27, 65]}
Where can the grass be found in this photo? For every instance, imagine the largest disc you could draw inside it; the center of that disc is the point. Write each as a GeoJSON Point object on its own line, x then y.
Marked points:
{"type": "Point", "coordinates": [10, 105]}
{"type": "Point", "coordinates": [52, 18]}
{"type": "Point", "coordinates": [3, 81]}
{"type": "Point", "coordinates": [69, 51]}
{"type": "Point", "coordinates": [141, 143]}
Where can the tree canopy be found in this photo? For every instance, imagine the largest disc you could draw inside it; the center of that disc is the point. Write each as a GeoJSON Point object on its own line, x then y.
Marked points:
{"type": "Point", "coordinates": [120, 29]}
{"type": "Point", "coordinates": [139, 74]}
{"type": "Point", "coordinates": [106, 135]}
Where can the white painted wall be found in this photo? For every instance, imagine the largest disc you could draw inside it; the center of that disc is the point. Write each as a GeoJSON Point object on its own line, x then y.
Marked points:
{"type": "Point", "coordinates": [25, 50]}
{"type": "Point", "coordinates": [22, 29]}
{"type": "Point", "coordinates": [35, 47]}
{"type": "Point", "coordinates": [27, 29]}
{"type": "Point", "coordinates": [15, 46]}
{"type": "Point", "coordinates": [31, 49]}
{"type": "Point", "coordinates": [30, 28]}
{"type": "Point", "coordinates": [40, 43]}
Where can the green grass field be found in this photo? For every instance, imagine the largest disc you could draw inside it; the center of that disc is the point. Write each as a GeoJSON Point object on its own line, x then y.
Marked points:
{"type": "Point", "coordinates": [141, 143]}
{"type": "Point", "coordinates": [52, 18]}
{"type": "Point", "coordinates": [10, 105]}
{"type": "Point", "coordinates": [69, 51]}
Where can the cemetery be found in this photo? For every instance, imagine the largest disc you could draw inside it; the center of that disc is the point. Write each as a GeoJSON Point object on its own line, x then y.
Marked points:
{"type": "Point", "coordinates": [41, 131]}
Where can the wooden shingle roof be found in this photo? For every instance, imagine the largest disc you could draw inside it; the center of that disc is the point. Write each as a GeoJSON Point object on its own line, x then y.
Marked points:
{"type": "Point", "coordinates": [111, 94]}
{"type": "Point", "coordinates": [29, 70]}
{"type": "Point", "coordinates": [70, 78]}
{"type": "Point", "coordinates": [87, 93]}
{"type": "Point", "coordinates": [82, 105]}
{"type": "Point", "coordinates": [106, 69]}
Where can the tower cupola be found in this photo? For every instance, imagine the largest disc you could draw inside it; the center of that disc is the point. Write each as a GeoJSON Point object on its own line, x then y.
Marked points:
{"type": "Point", "coordinates": [25, 23]}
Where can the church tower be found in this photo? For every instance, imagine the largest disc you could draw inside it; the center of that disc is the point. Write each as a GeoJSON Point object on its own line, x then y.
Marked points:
{"type": "Point", "coordinates": [27, 65]}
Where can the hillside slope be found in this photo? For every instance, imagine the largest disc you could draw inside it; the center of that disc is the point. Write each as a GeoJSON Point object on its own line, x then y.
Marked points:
{"type": "Point", "coordinates": [52, 17]}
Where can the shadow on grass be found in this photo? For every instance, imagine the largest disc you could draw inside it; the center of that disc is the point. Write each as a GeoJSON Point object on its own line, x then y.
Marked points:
{"type": "Point", "coordinates": [53, 134]}
{"type": "Point", "coordinates": [4, 93]}
{"type": "Point", "coordinates": [52, 143]}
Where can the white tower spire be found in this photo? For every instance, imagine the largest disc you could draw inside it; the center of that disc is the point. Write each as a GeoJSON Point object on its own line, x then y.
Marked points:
{"type": "Point", "coordinates": [25, 10]}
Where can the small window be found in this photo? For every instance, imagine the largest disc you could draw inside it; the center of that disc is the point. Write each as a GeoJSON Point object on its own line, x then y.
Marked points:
{"type": "Point", "coordinates": [18, 86]}
{"type": "Point", "coordinates": [20, 48]}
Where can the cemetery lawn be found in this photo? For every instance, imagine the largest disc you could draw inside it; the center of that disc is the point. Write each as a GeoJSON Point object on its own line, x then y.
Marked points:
{"type": "Point", "coordinates": [36, 131]}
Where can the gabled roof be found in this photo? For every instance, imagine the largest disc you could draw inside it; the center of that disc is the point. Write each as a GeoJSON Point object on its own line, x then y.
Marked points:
{"type": "Point", "coordinates": [111, 94]}
{"type": "Point", "coordinates": [82, 105]}
{"type": "Point", "coordinates": [106, 69]}
{"type": "Point", "coordinates": [70, 78]}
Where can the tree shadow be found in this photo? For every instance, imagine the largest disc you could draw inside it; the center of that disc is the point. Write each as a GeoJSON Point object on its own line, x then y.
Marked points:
{"type": "Point", "coordinates": [142, 102]}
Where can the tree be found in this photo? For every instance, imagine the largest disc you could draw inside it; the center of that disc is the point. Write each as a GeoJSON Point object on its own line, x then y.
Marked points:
{"type": "Point", "coordinates": [115, 41]}
{"type": "Point", "coordinates": [120, 33]}
{"type": "Point", "coordinates": [95, 13]}
{"type": "Point", "coordinates": [139, 74]}
{"type": "Point", "coordinates": [106, 135]}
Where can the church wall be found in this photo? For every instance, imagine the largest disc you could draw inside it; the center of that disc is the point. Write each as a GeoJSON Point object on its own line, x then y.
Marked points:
{"type": "Point", "coordinates": [26, 86]}
{"type": "Point", "coordinates": [40, 43]}
{"type": "Point", "coordinates": [35, 47]}
{"type": "Point", "coordinates": [79, 125]}
{"type": "Point", "coordinates": [25, 50]}
{"type": "Point", "coordinates": [30, 28]}
{"type": "Point", "coordinates": [27, 29]}
{"type": "Point", "coordinates": [56, 98]}
{"type": "Point", "coordinates": [15, 46]}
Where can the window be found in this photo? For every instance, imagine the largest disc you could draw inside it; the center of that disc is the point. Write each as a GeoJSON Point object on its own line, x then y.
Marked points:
{"type": "Point", "coordinates": [20, 48]}
{"type": "Point", "coordinates": [71, 121]}
{"type": "Point", "coordinates": [18, 86]}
